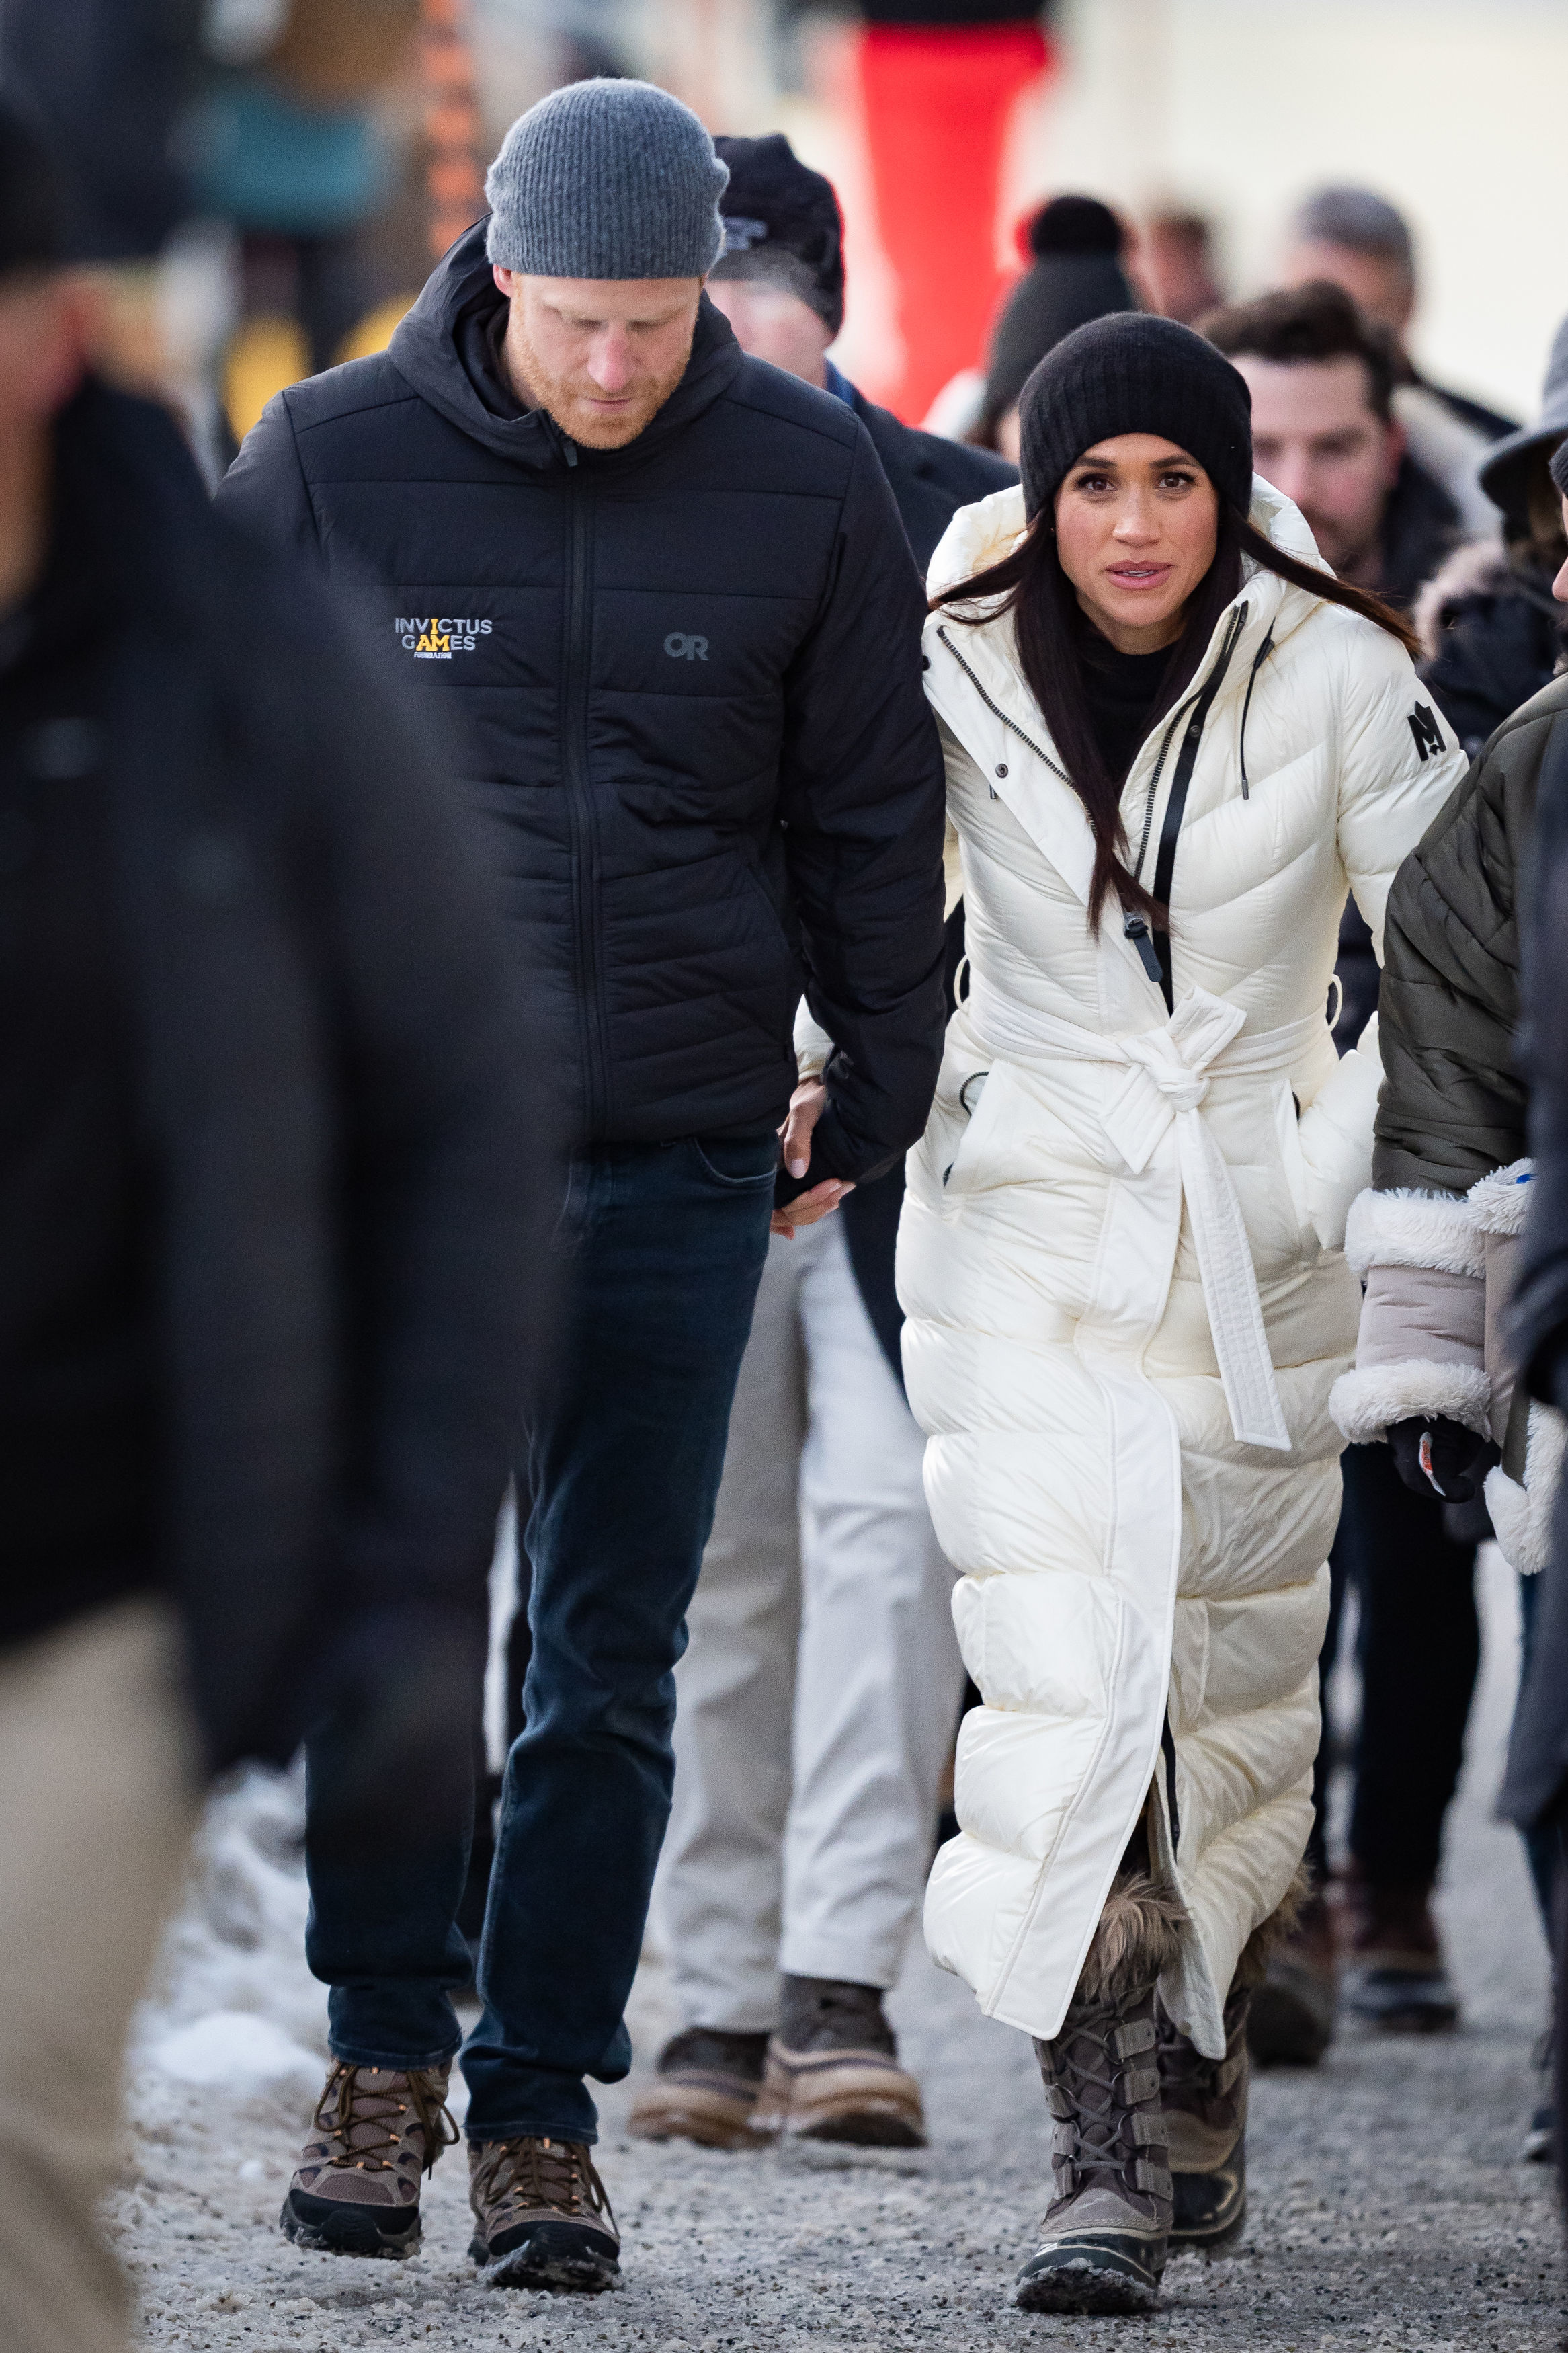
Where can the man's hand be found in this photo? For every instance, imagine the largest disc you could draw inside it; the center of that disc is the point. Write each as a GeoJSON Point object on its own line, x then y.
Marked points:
{"type": "Point", "coordinates": [806, 1106]}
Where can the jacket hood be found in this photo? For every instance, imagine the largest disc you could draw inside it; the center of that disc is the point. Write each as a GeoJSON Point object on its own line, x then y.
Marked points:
{"type": "Point", "coordinates": [461, 296]}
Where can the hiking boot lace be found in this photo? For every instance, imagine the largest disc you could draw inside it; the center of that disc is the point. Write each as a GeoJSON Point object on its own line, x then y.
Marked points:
{"type": "Point", "coordinates": [542, 2172]}
{"type": "Point", "coordinates": [381, 2134]}
{"type": "Point", "coordinates": [1095, 2095]}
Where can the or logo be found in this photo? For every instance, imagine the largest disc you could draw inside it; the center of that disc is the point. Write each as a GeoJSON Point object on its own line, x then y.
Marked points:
{"type": "Point", "coordinates": [680, 648]}
{"type": "Point", "coordinates": [1425, 728]}
{"type": "Point", "coordinates": [440, 637]}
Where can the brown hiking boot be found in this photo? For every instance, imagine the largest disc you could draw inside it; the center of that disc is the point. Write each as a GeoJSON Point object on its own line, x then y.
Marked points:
{"type": "Point", "coordinates": [1205, 2104]}
{"type": "Point", "coordinates": [1397, 1979]}
{"type": "Point", "coordinates": [705, 2090]}
{"type": "Point", "coordinates": [541, 2216]}
{"type": "Point", "coordinates": [375, 2132]}
{"type": "Point", "coordinates": [1103, 2241]}
{"type": "Point", "coordinates": [1292, 2022]}
{"type": "Point", "coordinates": [833, 2072]}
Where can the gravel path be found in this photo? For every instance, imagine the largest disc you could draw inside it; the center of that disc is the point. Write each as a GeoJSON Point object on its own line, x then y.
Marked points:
{"type": "Point", "coordinates": [1389, 2209]}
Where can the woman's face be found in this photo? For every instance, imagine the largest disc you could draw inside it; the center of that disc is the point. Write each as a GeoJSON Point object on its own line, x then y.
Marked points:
{"type": "Point", "coordinates": [1137, 525]}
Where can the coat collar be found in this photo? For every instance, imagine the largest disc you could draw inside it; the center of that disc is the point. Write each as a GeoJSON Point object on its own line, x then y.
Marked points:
{"type": "Point", "coordinates": [973, 681]}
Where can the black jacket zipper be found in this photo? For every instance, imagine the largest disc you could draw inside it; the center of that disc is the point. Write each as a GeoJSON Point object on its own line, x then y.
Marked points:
{"type": "Point", "coordinates": [1001, 714]}
{"type": "Point", "coordinates": [580, 803]}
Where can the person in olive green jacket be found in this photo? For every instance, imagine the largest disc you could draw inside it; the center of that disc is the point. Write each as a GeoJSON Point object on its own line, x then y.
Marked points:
{"type": "Point", "coordinates": [1436, 1236]}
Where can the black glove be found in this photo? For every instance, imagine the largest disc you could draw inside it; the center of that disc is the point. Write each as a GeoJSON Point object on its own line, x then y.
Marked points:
{"type": "Point", "coordinates": [1461, 1458]}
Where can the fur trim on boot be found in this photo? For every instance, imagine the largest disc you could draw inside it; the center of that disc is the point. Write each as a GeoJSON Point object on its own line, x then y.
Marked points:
{"type": "Point", "coordinates": [1269, 1935]}
{"type": "Point", "coordinates": [1139, 1937]}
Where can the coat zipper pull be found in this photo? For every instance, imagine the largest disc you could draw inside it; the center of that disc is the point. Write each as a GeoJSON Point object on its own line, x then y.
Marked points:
{"type": "Point", "coordinates": [569, 451]}
{"type": "Point", "coordinates": [1137, 930]}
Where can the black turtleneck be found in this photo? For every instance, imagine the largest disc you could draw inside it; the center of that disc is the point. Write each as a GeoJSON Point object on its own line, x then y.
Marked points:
{"type": "Point", "coordinates": [1121, 690]}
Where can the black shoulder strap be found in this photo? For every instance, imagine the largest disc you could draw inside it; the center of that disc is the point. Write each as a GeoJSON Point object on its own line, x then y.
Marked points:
{"type": "Point", "coordinates": [1176, 807]}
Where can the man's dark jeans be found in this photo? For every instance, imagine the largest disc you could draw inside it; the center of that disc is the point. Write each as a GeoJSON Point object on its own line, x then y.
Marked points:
{"type": "Point", "coordinates": [664, 1246]}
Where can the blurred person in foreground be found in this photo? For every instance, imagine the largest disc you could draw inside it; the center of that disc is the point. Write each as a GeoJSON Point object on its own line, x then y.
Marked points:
{"type": "Point", "coordinates": [817, 1699]}
{"type": "Point", "coordinates": [1436, 1237]}
{"type": "Point", "coordinates": [670, 587]}
{"type": "Point", "coordinates": [1490, 625]}
{"type": "Point", "coordinates": [270, 1153]}
{"type": "Point", "coordinates": [1324, 433]}
{"type": "Point", "coordinates": [1352, 239]}
{"type": "Point", "coordinates": [1073, 249]}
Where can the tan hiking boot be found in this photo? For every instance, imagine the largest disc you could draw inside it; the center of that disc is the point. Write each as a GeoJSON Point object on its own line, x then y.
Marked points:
{"type": "Point", "coordinates": [833, 2072]}
{"type": "Point", "coordinates": [1103, 2241]}
{"type": "Point", "coordinates": [1205, 2105]}
{"type": "Point", "coordinates": [541, 2216]}
{"type": "Point", "coordinates": [705, 2090]}
{"type": "Point", "coordinates": [375, 2132]}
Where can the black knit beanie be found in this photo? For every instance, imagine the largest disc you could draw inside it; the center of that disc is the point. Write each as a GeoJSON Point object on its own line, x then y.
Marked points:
{"type": "Point", "coordinates": [1075, 275]}
{"type": "Point", "coordinates": [782, 224]}
{"type": "Point", "coordinates": [1135, 375]}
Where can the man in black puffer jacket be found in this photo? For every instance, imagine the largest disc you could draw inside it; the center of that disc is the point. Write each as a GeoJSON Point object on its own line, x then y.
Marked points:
{"type": "Point", "coordinates": [664, 591]}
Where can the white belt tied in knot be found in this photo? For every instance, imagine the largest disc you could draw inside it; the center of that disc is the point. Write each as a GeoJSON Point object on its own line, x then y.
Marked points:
{"type": "Point", "coordinates": [1167, 1080]}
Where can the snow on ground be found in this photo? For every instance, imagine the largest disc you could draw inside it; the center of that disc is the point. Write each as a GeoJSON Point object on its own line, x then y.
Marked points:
{"type": "Point", "coordinates": [1389, 2207]}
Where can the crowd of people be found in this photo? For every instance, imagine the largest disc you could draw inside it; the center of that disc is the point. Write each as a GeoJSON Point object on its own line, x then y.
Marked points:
{"type": "Point", "coordinates": [934, 1041]}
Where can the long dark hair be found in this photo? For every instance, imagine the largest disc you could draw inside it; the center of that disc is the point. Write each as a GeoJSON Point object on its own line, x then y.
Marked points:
{"type": "Point", "coordinates": [1053, 632]}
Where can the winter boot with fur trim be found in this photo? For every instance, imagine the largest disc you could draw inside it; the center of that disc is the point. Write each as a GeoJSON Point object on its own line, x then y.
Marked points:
{"type": "Point", "coordinates": [1204, 2101]}
{"type": "Point", "coordinates": [1103, 2242]}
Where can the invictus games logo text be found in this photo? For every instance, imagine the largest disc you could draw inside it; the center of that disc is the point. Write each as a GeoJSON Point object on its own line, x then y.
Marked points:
{"type": "Point", "coordinates": [440, 638]}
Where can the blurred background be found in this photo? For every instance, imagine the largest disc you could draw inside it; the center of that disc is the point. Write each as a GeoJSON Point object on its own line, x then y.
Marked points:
{"type": "Point", "coordinates": [264, 183]}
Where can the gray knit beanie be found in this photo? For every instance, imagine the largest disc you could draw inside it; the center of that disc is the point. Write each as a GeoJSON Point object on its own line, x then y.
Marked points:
{"type": "Point", "coordinates": [607, 179]}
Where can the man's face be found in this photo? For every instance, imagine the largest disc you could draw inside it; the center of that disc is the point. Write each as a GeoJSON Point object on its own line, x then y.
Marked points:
{"type": "Point", "coordinates": [1380, 289]}
{"type": "Point", "coordinates": [1316, 437]}
{"type": "Point", "coordinates": [774, 324]}
{"type": "Point", "coordinates": [602, 355]}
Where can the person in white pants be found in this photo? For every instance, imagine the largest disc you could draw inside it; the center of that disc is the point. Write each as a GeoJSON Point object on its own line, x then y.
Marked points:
{"type": "Point", "coordinates": [816, 1711]}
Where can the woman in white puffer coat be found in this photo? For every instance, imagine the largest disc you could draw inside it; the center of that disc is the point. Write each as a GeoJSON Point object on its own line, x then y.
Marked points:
{"type": "Point", "coordinates": [1173, 740]}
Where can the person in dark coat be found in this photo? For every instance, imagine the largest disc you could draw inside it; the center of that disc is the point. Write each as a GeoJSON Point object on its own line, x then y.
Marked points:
{"type": "Point", "coordinates": [819, 1697]}
{"type": "Point", "coordinates": [274, 1146]}
{"type": "Point", "coordinates": [1492, 630]}
{"type": "Point", "coordinates": [667, 588]}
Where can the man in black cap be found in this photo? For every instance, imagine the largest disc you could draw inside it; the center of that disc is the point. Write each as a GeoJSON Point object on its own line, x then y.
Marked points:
{"type": "Point", "coordinates": [269, 1163]}
{"type": "Point", "coordinates": [820, 1690]}
{"type": "Point", "coordinates": [780, 283]}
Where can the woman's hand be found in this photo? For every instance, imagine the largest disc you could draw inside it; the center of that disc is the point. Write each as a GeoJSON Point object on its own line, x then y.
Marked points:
{"type": "Point", "coordinates": [806, 1106]}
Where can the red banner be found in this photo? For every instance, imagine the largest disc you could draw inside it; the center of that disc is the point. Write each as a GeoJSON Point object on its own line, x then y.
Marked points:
{"type": "Point", "coordinates": [937, 104]}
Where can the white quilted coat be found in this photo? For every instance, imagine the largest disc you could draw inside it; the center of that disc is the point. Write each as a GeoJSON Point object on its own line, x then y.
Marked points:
{"type": "Point", "coordinates": [1121, 1262]}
